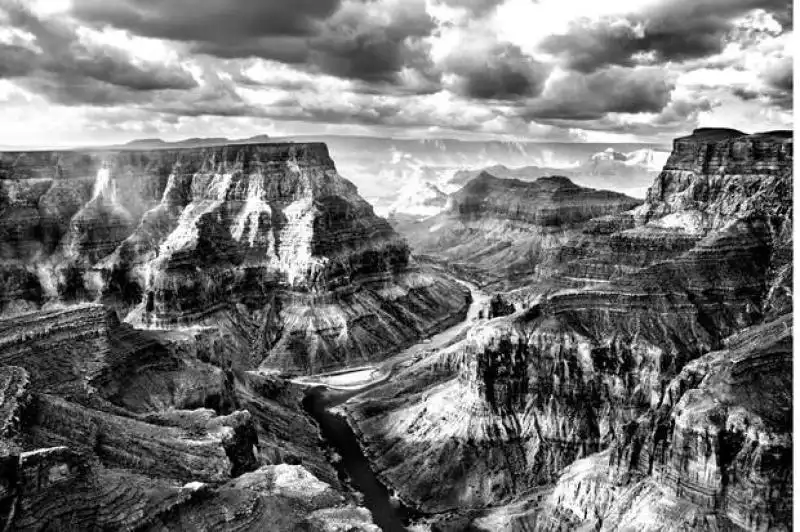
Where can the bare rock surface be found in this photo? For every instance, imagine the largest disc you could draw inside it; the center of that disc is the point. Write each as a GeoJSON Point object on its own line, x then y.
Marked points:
{"type": "Point", "coordinates": [632, 370]}
{"type": "Point", "coordinates": [105, 426]}
{"type": "Point", "coordinates": [656, 343]}
{"type": "Point", "coordinates": [265, 238]}
{"type": "Point", "coordinates": [496, 230]}
{"type": "Point", "coordinates": [153, 300]}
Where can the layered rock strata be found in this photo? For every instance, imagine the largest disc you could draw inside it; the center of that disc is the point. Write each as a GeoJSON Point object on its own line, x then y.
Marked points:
{"type": "Point", "coordinates": [714, 454]}
{"type": "Point", "coordinates": [109, 427]}
{"type": "Point", "coordinates": [228, 265]}
{"type": "Point", "coordinates": [265, 237]}
{"type": "Point", "coordinates": [497, 230]}
{"type": "Point", "coordinates": [598, 365]}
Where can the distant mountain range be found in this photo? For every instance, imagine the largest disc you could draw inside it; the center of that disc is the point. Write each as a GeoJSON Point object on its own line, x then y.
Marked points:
{"type": "Point", "coordinates": [199, 142]}
{"type": "Point", "coordinates": [628, 172]}
{"type": "Point", "coordinates": [385, 169]}
{"type": "Point", "coordinates": [403, 175]}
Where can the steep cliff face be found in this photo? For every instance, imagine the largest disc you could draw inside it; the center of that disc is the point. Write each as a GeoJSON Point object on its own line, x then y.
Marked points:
{"type": "Point", "coordinates": [147, 299]}
{"type": "Point", "coordinates": [722, 174]}
{"type": "Point", "coordinates": [266, 237]}
{"type": "Point", "coordinates": [715, 453]}
{"type": "Point", "coordinates": [108, 426]}
{"type": "Point", "coordinates": [548, 201]}
{"type": "Point", "coordinates": [597, 361]}
{"type": "Point", "coordinates": [498, 230]}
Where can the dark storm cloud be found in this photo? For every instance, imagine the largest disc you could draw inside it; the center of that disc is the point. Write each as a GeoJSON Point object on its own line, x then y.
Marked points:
{"type": "Point", "coordinates": [215, 97]}
{"type": "Point", "coordinates": [356, 45]}
{"type": "Point", "coordinates": [71, 72]}
{"type": "Point", "coordinates": [746, 95]}
{"type": "Point", "coordinates": [777, 85]}
{"type": "Point", "coordinates": [210, 21]}
{"type": "Point", "coordinates": [330, 36]}
{"type": "Point", "coordinates": [778, 78]}
{"type": "Point", "coordinates": [679, 115]}
{"type": "Point", "coordinates": [591, 96]}
{"type": "Point", "coordinates": [272, 29]}
{"type": "Point", "coordinates": [502, 73]}
{"type": "Point", "coordinates": [669, 31]}
{"type": "Point", "coordinates": [17, 60]}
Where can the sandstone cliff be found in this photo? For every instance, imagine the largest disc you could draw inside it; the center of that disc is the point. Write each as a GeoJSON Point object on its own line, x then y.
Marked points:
{"type": "Point", "coordinates": [266, 238]}
{"type": "Point", "coordinates": [496, 230]}
{"type": "Point", "coordinates": [611, 357]}
{"type": "Point", "coordinates": [109, 427]}
{"type": "Point", "coordinates": [148, 302]}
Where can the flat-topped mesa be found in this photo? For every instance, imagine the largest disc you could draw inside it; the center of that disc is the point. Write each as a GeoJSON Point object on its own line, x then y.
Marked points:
{"type": "Point", "coordinates": [713, 178]}
{"type": "Point", "coordinates": [170, 236]}
{"type": "Point", "coordinates": [281, 207]}
{"type": "Point", "coordinates": [723, 174]}
{"type": "Point", "coordinates": [548, 201]}
{"type": "Point", "coordinates": [505, 231]}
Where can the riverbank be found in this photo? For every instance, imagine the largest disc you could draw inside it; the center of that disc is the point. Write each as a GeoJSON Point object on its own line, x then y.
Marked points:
{"type": "Point", "coordinates": [326, 392]}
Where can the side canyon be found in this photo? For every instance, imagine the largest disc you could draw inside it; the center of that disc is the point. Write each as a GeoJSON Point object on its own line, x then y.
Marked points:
{"type": "Point", "coordinates": [643, 381]}
{"type": "Point", "coordinates": [154, 304]}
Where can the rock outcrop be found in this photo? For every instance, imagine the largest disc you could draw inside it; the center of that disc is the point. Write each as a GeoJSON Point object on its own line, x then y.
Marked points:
{"type": "Point", "coordinates": [149, 303]}
{"type": "Point", "coordinates": [497, 230]}
{"type": "Point", "coordinates": [612, 356]}
{"type": "Point", "coordinates": [267, 238]}
{"type": "Point", "coordinates": [715, 453]}
{"type": "Point", "coordinates": [104, 426]}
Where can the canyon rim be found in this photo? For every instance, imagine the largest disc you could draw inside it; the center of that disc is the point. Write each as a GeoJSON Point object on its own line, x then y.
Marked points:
{"type": "Point", "coordinates": [396, 265]}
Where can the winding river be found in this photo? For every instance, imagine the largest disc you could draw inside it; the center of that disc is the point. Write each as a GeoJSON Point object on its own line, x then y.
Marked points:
{"type": "Point", "coordinates": [387, 512]}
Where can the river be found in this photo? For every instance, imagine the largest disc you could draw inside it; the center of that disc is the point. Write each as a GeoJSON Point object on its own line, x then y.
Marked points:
{"type": "Point", "coordinates": [387, 512]}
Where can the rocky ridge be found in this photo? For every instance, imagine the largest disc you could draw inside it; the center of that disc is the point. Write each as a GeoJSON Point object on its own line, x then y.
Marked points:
{"type": "Point", "coordinates": [145, 434]}
{"type": "Point", "coordinates": [151, 298]}
{"type": "Point", "coordinates": [266, 237]}
{"type": "Point", "coordinates": [511, 223]}
{"type": "Point", "coordinates": [644, 361]}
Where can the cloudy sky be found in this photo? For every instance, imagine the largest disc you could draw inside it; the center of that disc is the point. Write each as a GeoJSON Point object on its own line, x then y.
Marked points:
{"type": "Point", "coordinates": [86, 71]}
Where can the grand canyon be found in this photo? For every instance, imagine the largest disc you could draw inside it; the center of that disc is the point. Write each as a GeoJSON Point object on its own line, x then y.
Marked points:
{"type": "Point", "coordinates": [396, 266]}
{"type": "Point", "coordinates": [228, 337]}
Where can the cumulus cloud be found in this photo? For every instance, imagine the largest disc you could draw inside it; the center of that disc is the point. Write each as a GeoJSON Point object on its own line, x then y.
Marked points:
{"type": "Point", "coordinates": [778, 82]}
{"type": "Point", "coordinates": [60, 65]}
{"type": "Point", "coordinates": [475, 7]}
{"type": "Point", "coordinates": [665, 31]}
{"type": "Point", "coordinates": [577, 96]}
{"type": "Point", "coordinates": [374, 41]}
{"type": "Point", "coordinates": [209, 21]}
{"type": "Point", "coordinates": [501, 72]}
{"type": "Point", "coordinates": [482, 67]}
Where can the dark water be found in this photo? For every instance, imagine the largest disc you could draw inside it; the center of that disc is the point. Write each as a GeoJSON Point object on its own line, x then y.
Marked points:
{"type": "Point", "coordinates": [388, 515]}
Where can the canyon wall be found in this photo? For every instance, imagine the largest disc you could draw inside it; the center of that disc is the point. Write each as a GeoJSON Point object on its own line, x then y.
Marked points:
{"type": "Point", "coordinates": [104, 426]}
{"type": "Point", "coordinates": [151, 302]}
{"type": "Point", "coordinates": [496, 231]}
{"type": "Point", "coordinates": [266, 238]}
{"type": "Point", "coordinates": [644, 350]}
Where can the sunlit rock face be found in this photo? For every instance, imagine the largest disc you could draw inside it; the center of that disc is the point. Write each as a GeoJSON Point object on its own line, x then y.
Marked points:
{"type": "Point", "coordinates": [267, 239]}
{"type": "Point", "coordinates": [714, 454]}
{"type": "Point", "coordinates": [497, 230]}
{"type": "Point", "coordinates": [612, 357]}
{"type": "Point", "coordinates": [147, 300]}
{"type": "Point", "coordinates": [105, 426]}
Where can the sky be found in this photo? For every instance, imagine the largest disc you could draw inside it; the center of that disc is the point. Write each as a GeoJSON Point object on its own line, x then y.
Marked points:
{"type": "Point", "coordinates": [82, 72]}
